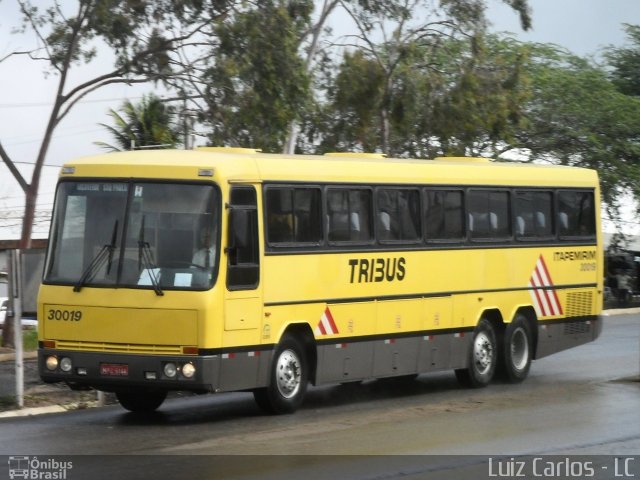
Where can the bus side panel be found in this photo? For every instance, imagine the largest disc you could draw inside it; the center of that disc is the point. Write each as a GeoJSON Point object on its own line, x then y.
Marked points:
{"type": "Point", "coordinates": [244, 370]}
{"type": "Point", "coordinates": [345, 362]}
{"type": "Point", "coordinates": [582, 323]}
{"type": "Point", "coordinates": [555, 336]}
{"type": "Point", "coordinates": [435, 349]}
{"type": "Point", "coordinates": [435, 353]}
{"type": "Point", "coordinates": [397, 356]}
{"type": "Point", "coordinates": [338, 362]}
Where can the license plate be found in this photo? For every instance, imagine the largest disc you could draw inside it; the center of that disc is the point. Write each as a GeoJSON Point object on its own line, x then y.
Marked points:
{"type": "Point", "coordinates": [114, 370]}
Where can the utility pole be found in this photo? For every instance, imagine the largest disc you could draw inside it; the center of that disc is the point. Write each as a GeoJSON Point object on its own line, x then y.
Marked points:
{"type": "Point", "coordinates": [15, 311]}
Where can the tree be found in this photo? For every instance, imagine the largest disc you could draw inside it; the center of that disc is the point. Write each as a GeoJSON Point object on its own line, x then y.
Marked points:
{"type": "Point", "coordinates": [145, 37]}
{"type": "Point", "coordinates": [146, 124]}
{"type": "Point", "coordinates": [482, 106]}
{"type": "Point", "coordinates": [258, 82]}
{"type": "Point", "coordinates": [350, 121]}
{"type": "Point", "coordinates": [577, 116]}
{"type": "Point", "coordinates": [413, 32]}
{"type": "Point", "coordinates": [311, 39]}
{"type": "Point", "coordinates": [625, 63]}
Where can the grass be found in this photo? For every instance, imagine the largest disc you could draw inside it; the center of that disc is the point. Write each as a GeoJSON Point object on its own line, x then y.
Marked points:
{"type": "Point", "coordinates": [29, 340]}
{"type": "Point", "coordinates": [7, 403]}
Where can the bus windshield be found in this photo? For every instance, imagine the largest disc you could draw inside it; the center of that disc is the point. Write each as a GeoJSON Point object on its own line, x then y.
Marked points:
{"type": "Point", "coordinates": [134, 234]}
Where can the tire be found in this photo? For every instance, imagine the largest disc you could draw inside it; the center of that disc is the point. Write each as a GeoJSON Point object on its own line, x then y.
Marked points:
{"type": "Point", "coordinates": [482, 359]}
{"type": "Point", "coordinates": [517, 350]}
{"type": "Point", "coordinates": [288, 379]}
{"type": "Point", "coordinates": [141, 401]}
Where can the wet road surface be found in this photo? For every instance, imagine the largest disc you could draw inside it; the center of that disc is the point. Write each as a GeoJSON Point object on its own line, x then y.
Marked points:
{"type": "Point", "coordinates": [580, 402]}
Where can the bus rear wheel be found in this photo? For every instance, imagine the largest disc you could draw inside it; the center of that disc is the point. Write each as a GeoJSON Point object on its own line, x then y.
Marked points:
{"type": "Point", "coordinates": [288, 379]}
{"type": "Point", "coordinates": [516, 350]}
{"type": "Point", "coordinates": [483, 355]}
{"type": "Point", "coordinates": [141, 401]}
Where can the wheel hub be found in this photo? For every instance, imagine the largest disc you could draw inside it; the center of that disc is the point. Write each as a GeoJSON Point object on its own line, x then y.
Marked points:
{"type": "Point", "coordinates": [519, 349]}
{"type": "Point", "coordinates": [288, 374]}
{"type": "Point", "coordinates": [483, 353]}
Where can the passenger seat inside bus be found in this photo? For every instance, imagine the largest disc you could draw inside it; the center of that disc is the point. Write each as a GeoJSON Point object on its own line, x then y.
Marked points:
{"type": "Point", "coordinates": [520, 226]}
{"type": "Point", "coordinates": [483, 223]}
{"type": "Point", "coordinates": [384, 223]}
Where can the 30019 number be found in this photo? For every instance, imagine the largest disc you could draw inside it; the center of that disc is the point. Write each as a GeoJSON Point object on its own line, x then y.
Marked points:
{"type": "Point", "coordinates": [64, 315]}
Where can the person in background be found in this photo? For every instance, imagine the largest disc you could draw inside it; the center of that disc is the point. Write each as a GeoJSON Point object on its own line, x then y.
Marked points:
{"type": "Point", "coordinates": [623, 286]}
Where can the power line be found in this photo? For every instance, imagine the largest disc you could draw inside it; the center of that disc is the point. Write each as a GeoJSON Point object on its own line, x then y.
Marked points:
{"type": "Point", "coordinates": [24, 162]}
{"type": "Point", "coordinates": [19, 208]}
{"type": "Point", "coordinates": [49, 104]}
{"type": "Point", "coordinates": [55, 136]}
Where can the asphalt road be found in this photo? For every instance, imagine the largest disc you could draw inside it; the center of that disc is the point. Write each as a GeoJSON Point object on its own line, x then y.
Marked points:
{"type": "Point", "coordinates": [585, 401]}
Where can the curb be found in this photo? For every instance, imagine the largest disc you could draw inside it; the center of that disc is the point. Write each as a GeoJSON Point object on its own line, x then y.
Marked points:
{"type": "Point", "coordinates": [27, 412]}
{"type": "Point", "coordinates": [9, 357]}
{"type": "Point", "coordinates": [621, 311]}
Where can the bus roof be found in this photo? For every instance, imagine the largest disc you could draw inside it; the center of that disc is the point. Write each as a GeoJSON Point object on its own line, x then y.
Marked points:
{"type": "Point", "coordinates": [252, 166]}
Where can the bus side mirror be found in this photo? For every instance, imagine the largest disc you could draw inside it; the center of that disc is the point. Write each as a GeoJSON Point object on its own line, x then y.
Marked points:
{"type": "Point", "coordinates": [238, 228]}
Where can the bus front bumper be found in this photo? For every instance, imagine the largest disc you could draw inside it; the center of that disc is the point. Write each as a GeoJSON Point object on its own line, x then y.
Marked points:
{"type": "Point", "coordinates": [115, 371]}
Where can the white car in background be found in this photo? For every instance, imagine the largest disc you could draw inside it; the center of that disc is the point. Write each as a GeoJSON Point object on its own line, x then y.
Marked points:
{"type": "Point", "coordinates": [4, 304]}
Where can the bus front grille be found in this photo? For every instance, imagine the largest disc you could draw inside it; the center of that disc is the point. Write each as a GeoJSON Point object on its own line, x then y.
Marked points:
{"type": "Point", "coordinates": [119, 347]}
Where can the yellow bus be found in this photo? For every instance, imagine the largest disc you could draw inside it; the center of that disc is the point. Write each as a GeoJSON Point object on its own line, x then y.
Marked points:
{"type": "Point", "coordinates": [223, 269]}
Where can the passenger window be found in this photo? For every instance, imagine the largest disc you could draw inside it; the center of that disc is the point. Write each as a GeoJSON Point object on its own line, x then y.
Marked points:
{"type": "Point", "coordinates": [293, 215]}
{"type": "Point", "coordinates": [398, 216]}
{"type": "Point", "coordinates": [533, 215]}
{"type": "Point", "coordinates": [576, 214]}
{"type": "Point", "coordinates": [488, 216]}
{"type": "Point", "coordinates": [349, 215]}
{"type": "Point", "coordinates": [444, 215]}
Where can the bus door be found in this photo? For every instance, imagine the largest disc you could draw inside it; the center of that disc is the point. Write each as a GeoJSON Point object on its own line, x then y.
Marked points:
{"type": "Point", "coordinates": [243, 306]}
{"type": "Point", "coordinates": [243, 296]}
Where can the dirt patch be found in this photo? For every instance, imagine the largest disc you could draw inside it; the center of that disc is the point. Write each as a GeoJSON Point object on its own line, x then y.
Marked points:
{"type": "Point", "coordinates": [40, 394]}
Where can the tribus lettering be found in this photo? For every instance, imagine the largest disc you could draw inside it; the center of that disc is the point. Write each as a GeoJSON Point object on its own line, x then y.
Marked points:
{"type": "Point", "coordinates": [377, 270]}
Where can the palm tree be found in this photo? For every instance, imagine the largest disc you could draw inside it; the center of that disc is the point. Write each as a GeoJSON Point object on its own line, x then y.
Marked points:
{"type": "Point", "coordinates": [146, 124]}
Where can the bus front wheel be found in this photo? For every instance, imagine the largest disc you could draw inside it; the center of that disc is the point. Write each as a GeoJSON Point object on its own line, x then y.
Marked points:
{"type": "Point", "coordinates": [141, 401]}
{"type": "Point", "coordinates": [516, 350]}
{"type": "Point", "coordinates": [288, 379]}
{"type": "Point", "coordinates": [483, 354]}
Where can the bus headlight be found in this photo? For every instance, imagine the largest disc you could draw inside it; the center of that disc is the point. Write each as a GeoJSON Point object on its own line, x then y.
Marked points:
{"type": "Point", "coordinates": [52, 363]}
{"type": "Point", "coordinates": [188, 370]}
{"type": "Point", "coordinates": [170, 370]}
{"type": "Point", "coordinates": [65, 364]}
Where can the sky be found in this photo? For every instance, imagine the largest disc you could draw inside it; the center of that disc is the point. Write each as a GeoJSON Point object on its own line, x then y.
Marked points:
{"type": "Point", "coordinates": [583, 27]}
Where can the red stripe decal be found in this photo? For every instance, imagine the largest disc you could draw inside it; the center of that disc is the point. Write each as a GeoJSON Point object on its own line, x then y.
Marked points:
{"type": "Point", "coordinates": [553, 292]}
{"type": "Point", "coordinates": [321, 327]}
{"type": "Point", "coordinates": [332, 323]}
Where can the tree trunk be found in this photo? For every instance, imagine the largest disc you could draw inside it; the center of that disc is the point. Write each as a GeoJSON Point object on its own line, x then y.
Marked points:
{"type": "Point", "coordinates": [31, 195]}
{"type": "Point", "coordinates": [385, 126]}
{"type": "Point", "coordinates": [294, 128]}
{"type": "Point", "coordinates": [292, 138]}
{"type": "Point", "coordinates": [29, 216]}
{"type": "Point", "coordinates": [7, 332]}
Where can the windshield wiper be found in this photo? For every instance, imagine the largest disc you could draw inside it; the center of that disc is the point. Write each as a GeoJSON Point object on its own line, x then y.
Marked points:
{"type": "Point", "coordinates": [145, 259]}
{"type": "Point", "coordinates": [104, 254]}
